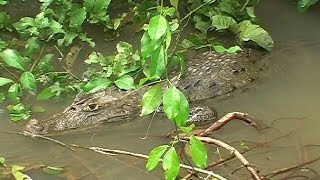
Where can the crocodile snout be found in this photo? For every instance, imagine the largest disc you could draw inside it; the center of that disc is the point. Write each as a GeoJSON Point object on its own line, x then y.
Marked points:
{"type": "Point", "coordinates": [33, 126]}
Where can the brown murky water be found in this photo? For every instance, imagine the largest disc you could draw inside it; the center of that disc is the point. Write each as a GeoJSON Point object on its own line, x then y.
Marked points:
{"type": "Point", "coordinates": [287, 100]}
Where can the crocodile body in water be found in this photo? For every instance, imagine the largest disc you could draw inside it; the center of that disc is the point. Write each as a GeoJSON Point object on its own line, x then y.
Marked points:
{"type": "Point", "coordinates": [207, 75]}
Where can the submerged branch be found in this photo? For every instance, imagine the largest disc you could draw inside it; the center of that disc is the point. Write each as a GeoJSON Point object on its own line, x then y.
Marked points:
{"type": "Point", "coordinates": [25, 133]}
{"type": "Point", "coordinates": [106, 151]}
{"type": "Point", "coordinates": [232, 150]}
{"type": "Point", "coordinates": [226, 119]}
{"type": "Point", "coordinates": [288, 169]}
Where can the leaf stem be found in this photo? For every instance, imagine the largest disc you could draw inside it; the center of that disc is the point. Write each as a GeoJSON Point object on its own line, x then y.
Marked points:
{"type": "Point", "coordinates": [196, 9]}
{"type": "Point", "coordinates": [9, 72]}
{"type": "Point", "coordinates": [244, 5]}
{"type": "Point", "coordinates": [36, 61]}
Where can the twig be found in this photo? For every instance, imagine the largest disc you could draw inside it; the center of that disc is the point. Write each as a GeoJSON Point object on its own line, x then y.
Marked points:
{"type": "Point", "coordinates": [9, 72]}
{"type": "Point", "coordinates": [36, 61]}
{"type": "Point", "coordinates": [25, 133]}
{"type": "Point", "coordinates": [143, 156]}
{"type": "Point", "coordinates": [226, 119]}
{"type": "Point", "coordinates": [285, 170]}
{"type": "Point", "coordinates": [66, 69]}
{"type": "Point", "coordinates": [196, 9]}
{"type": "Point", "coordinates": [244, 5]}
{"type": "Point", "coordinates": [71, 74]}
{"type": "Point", "coordinates": [150, 123]}
{"type": "Point", "coordinates": [232, 150]}
{"type": "Point", "coordinates": [114, 152]}
{"type": "Point", "coordinates": [232, 156]}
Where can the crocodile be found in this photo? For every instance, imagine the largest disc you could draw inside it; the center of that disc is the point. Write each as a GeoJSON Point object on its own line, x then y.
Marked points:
{"type": "Point", "coordinates": [207, 75]}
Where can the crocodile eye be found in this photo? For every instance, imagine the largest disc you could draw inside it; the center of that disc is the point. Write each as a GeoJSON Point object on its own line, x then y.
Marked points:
{"type": "Point", "coordinates": [91, 107]}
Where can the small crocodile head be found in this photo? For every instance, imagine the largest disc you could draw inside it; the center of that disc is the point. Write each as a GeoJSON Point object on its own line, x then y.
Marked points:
{"type": "Point", "coordinates": [88, 110]}
{"type": "Point", "coordinates": [34, 127]}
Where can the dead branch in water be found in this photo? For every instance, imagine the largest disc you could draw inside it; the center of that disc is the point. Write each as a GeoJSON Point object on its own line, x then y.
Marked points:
{"type": "Point", "coordinates": [25, 133]}
{"type": "Point", "coordinates": [226, 119]}
{"type": "Point", "coordinates": [232, 156]}
{"type": "Point", "coordinates": [232, 150]}
{"type": "Point", "coordinates": [202, 136]}
{"type": "Point", "coordinates": [289, 169]}
{"type": "Point", "coordinates": [106, 151]}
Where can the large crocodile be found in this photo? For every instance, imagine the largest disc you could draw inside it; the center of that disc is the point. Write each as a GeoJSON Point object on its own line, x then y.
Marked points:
{"type": "Point", "coordinates": [207, 75]}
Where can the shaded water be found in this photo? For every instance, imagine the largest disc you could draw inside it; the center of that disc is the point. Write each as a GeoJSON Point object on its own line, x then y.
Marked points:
{"type": "Point", "coordinates": [287, 100]}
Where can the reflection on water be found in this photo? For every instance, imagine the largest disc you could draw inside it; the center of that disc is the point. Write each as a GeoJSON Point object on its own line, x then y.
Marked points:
{"type": "Point", "coordinates": [288, 99]}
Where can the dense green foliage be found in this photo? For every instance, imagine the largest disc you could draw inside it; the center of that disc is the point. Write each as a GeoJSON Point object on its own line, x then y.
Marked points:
{"type": "Point", "coordinates": [28, 67]}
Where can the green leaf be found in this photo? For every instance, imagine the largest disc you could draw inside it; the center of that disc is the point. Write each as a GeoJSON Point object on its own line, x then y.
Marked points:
{"type": "Point", "coordinates": [142, 82]}
{"type": "Point", "coordinates": [18, 112]}
{"type": "Point", "coordinates": [125, 82]}
{"type": "Point", "coordinates": [3, 44]}
{"type": "Point", "coordinates": [194, 40]}
{"type": "Point", "coordinates": [96, 6]}
{"type": "Point", "coordinates": [14, 92]}
{"type": "Point", "coordinates": [184, 111]}
{"type": "Point", "coordinates": [124, 48]}
{"type": "Point", "coordinates": [201, 25]}
{"type": "Point", "coordinates": [158, 64]}
{"type": "Point", "coordinates": [4, 81]}
{"type": "Point", "coordinates": [27, 26]}
{"type": "Point", "coordinates": [249, 31]}
{"type": "Point", "coordinates": [77, 17]}
{"type": "Point", "coordinates": [166, 11]}
{"type": "Point", "coordinates": [68, 38]}
{"type": "Point", "coordinates": [148, 46]}
{"type": "Point", "coordinates": [45, 64]}
{"type": "Point", "coordinates": [2, 162]}
{"type": "Point", "coordinates": [96, 57]}
{"type": "Point", "coordinates": [12, 58]}
{"type": "Point", "coordinates": [198, 152]}
{"type": "Point", "coordinates": [187, 129]}
{"type": "Point", "coordinates": [32, 46]}
{"type": "Point", "coordinates": [55, 28]}
{"type": "Point", "coordinates": [83, 37]}
{"type": "Point", "coordinates": [303, 5]}
{"type": "Point", "coordinates": [45, 94]}
{"type": "Point", "coordinates": [3, 2]}
{"type": "Point", "coordinates": [250, 12]}
{"type": "Point", "coordinates": [154, 156]}
{"type": "Point", "coordinates": [229, 7]}
{"type": "Point", "coordinates": [178, 59]}
{"type": "Point", "coordinates": [18, 175]}
{"type": "Point", "coordinates": [96, 84]}
{"type": "Point", "coordinates": [53, 170]}
{"type": "Point", "coordinates": [117, 23]}
{"type": "Point", "coordinates": [171, 102]}
{"type": "Point", "coordinates": [28, 81]}
{"type": "Point", "coordinates": [171, 164]}
{"type": "Point", "coordinates": [5, 21]}
{"type": "Point", "coordinates": [174, 3]}
{"type": "Point", "coordinates": [151, 100]}
{"type": "Point", "coordinates": [221, 22]}
{"type": "Point", "coordinates": [157, 27]}
{"type": "Point", "coordinates": [231, 50]}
